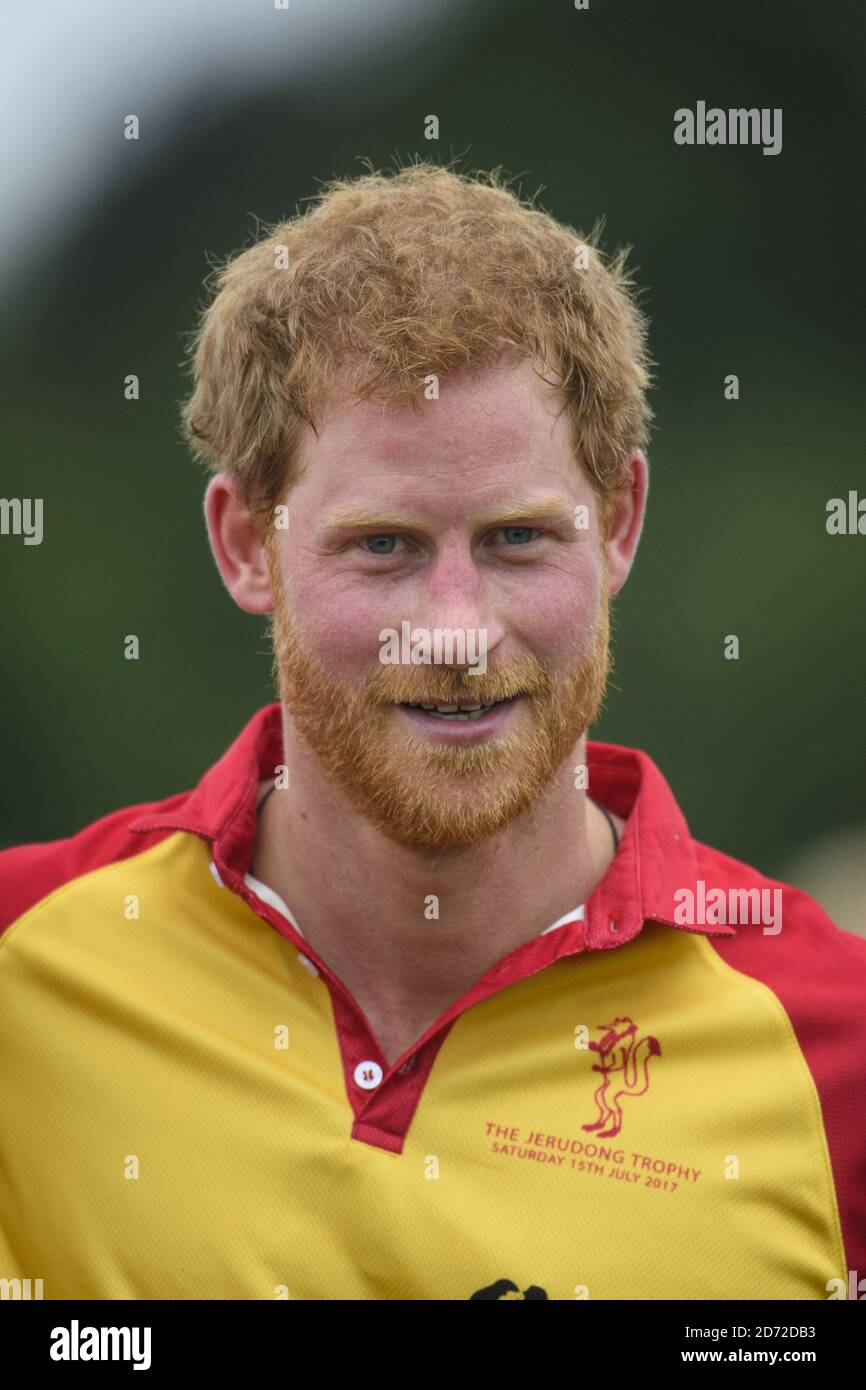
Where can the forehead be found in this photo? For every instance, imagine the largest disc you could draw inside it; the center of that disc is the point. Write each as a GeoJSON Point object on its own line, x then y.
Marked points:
{"type": "Point", "coordinates": [495, 437]}
{"type": "Point", "coordinates": [488, 427]}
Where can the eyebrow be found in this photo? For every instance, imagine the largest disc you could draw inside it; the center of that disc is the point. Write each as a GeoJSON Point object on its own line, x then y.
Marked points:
{"type": "Point", "coordinates": [537, 509]}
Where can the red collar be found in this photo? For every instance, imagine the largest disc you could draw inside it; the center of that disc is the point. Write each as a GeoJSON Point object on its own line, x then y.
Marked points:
{"type": "Point", "coordinates": [655, 859]}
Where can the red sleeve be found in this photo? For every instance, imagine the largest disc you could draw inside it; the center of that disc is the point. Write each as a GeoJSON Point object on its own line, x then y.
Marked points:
{"type": "Point", "coordinates": [818, 974]}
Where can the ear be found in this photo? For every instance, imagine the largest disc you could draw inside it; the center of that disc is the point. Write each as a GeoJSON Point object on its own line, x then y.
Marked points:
{"type": "Point", "coordinates": [237, 547]}
{"type": "Point", "coordinates": [627, 521]}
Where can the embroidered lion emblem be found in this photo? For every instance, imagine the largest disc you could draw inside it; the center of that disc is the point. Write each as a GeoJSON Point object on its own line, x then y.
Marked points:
{"type": "Point", "coordinates": [623, 1064]}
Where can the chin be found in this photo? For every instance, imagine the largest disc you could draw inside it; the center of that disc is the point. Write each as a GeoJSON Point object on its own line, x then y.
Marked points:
{"type": "Point", "coordinates": [458, 821]}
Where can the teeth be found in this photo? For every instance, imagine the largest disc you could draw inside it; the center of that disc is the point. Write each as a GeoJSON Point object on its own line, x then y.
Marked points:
{"type": "Point", "coordinates": [460, 714]}
{"type": "Point", "coordinates": [460, 711]}
{"type": "Point", "coordinates": [456, 712]}
{"type": "Point", "coordinates": [453, 709]}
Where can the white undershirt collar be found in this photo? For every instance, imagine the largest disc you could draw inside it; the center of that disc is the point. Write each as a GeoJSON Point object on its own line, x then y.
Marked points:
{"type": "Point", "coordinates": [274, 900]}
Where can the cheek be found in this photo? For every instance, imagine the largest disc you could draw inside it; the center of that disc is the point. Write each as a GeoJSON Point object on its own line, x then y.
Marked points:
{"type": "Point", "coordinates": [551, 613]}
{"type": "Point", "coordinates": [339, 628]}
{"type": "Point", "coordinates": [556, 615]}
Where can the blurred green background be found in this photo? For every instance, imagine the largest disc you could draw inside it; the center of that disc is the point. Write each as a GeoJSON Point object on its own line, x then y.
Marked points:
{"type": "Point", "coordinates": [750, 267]}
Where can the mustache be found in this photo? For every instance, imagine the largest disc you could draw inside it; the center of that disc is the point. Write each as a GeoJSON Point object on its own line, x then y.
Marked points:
{"type": "Point", "coordinates": [453, 688]}
{"type": "Point", "coordinates": [464, 697]}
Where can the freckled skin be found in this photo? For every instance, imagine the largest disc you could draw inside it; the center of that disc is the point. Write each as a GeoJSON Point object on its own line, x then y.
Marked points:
{"type": "Point", "coordinates": [536, 590]}
{"type": "Point", "coordinates": [503, 437]}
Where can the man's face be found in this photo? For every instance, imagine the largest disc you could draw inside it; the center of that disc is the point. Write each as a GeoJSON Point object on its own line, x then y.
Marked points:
{"type": "Point", "coordinates": [461, 516]}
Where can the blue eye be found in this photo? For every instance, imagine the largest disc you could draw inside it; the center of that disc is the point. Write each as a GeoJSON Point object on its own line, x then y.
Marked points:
{"type": "Point", "coordinates": [518, 535]}
{"type": "Point", "coordinates": [381, 545]}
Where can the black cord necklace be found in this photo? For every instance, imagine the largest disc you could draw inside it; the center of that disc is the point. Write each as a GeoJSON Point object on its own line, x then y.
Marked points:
{"type": "Point", "coordinates": [613, 830]}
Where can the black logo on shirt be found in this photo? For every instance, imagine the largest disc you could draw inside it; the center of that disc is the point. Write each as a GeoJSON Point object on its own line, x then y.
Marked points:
{"type": "Point", "coordinates": [503, 1290]}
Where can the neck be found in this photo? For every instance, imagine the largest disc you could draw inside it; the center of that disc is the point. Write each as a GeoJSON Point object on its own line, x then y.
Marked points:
{"type": "Point", "coordinates": [363, 900]}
